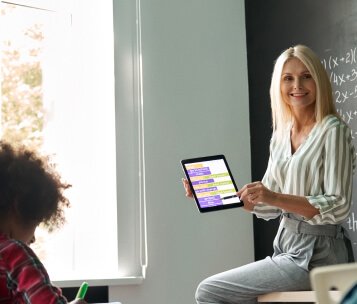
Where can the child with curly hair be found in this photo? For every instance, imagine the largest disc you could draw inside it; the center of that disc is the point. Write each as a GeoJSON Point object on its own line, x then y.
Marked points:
{"type": "Point", "coordinates": [31, 193]}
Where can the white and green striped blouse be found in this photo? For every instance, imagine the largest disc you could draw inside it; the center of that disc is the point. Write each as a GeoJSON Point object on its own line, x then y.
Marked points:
{"type": "Point", "coordinates": [321, 169]}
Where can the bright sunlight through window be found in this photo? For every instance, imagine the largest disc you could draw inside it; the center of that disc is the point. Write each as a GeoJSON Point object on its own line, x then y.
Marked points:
{"type": "Point", "coordinates": [57, 95]}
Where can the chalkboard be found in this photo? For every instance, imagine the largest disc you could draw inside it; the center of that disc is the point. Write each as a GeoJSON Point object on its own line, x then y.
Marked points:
{"type": "Point", "coordinates": [329, 27]}
{"type": "Point", "coordinates": [342, 67]}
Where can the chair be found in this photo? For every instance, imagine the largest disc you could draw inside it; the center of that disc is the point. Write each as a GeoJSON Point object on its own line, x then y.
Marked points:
{"type": "Point", "coordinates": [339, 277]}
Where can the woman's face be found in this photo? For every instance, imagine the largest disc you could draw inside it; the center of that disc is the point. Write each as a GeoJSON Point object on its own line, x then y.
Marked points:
{"type": "Point", "coordinates": [297, 86]}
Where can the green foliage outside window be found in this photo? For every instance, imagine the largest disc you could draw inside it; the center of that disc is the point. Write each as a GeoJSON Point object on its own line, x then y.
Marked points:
{"type": "Point", "coordinates": [22, 112]}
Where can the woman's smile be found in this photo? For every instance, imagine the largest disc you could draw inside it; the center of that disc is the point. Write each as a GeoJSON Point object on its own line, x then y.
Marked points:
{"type": "Point", "coordinates": [297, 86]}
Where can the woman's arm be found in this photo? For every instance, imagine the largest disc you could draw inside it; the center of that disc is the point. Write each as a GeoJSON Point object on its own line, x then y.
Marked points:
{"type": "Point", "coordinates": [333, 202]}
{"type": "Point", "coordinates": [256, 192]}
{"type": "Point", "coordinates": [339, 162]}
{"type": "Point", "coordinates": [262, 210]}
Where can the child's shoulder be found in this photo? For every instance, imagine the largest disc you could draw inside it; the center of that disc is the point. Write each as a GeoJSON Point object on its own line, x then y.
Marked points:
{"type": "Point", "coordinates": [5, 241]}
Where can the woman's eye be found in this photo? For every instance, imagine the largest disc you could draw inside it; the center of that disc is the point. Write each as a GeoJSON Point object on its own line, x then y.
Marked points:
{"type": "Point", "coordinates": [287, 78]}
{"type": "Point", "coordinates": [307, 76]}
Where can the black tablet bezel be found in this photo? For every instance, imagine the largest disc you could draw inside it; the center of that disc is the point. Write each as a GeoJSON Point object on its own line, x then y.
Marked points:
{"type": "Point", "coordinates": [209, 158]}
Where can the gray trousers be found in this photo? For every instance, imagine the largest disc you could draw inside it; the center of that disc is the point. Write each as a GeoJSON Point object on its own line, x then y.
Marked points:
{"type": "Point", "coordinates": [295, 254]}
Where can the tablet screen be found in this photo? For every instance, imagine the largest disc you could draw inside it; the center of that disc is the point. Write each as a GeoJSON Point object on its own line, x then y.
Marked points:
{"type": "Point", "coordinates": [212, 183]}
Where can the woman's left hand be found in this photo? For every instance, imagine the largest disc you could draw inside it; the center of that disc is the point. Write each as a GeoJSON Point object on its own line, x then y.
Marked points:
{"type": "Point", "coordinates": [256, 192]}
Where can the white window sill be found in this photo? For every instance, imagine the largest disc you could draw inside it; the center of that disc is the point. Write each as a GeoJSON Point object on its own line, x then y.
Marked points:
{"type": "Point", "coordinates": [101, 282]}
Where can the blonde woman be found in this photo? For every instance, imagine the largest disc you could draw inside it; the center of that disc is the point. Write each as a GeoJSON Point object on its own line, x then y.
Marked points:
{"type": "Point", "coordinates": [308, 183]}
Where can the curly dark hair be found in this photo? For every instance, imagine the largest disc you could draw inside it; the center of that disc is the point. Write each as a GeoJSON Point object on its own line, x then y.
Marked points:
{"type": "Point", "coordinates": [30, 185]}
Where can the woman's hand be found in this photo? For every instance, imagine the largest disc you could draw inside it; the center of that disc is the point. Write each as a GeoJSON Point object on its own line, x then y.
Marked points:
{"type": "Point", "coordinates": [187, 188]}
{"type": "Point", "coordinates": [254, 193]}
{"type": "Point", "coordinates": [247, 205]}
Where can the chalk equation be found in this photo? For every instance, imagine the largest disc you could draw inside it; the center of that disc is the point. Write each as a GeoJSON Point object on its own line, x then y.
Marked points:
{"type": "Point", "coordinates": [341, 67]}
{"type": "Point", "coordinates": [348, 57]}
{"type": "Point", "coordinates": [351, 222]}
{"type": "Point", "coordinates": [342, 70]}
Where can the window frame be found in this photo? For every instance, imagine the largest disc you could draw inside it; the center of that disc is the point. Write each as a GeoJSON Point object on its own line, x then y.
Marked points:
{"type": "Point", "coordinates": [129, 137]}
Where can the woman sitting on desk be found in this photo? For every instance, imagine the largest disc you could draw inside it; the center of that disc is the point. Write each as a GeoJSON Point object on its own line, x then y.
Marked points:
{"type": "Point", "coordinates": [308, 183]}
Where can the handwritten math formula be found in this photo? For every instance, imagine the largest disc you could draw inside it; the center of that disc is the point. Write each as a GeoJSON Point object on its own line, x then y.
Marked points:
{"type": "Point", "coordinates": [351, 224]}
{"type": "Point", "coordinates": [342, 71]}
{"type": "Point", "coordinates": [341, 67]}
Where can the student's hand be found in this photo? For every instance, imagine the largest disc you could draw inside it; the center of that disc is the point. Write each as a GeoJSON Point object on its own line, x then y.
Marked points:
{"type": "Point", "coordinates": [78, 301]}
{"type": "Point", "coordinates": [187, 188]}
{"type": "Point", "coordinates": [254, 193]}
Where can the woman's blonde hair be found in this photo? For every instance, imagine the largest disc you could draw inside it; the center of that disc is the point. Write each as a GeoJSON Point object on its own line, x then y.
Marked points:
{"type": "Point", "coordinates": [281, 112]}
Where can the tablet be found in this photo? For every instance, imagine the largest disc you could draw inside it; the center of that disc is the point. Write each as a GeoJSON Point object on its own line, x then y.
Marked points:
{"type": "Point", "coordinates": [211, 182]}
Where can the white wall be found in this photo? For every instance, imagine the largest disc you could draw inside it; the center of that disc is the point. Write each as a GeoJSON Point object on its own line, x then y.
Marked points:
{"type": "Point", "coordinates": [195, 92]}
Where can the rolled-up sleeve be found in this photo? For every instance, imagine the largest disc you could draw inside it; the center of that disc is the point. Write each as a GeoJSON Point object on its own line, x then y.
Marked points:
{"type": "Point", "coordinates": [339, 163]}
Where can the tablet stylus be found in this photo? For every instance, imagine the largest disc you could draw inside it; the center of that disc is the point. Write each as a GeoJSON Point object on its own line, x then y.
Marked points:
{"type": "Point", "coordinates": [227, 197]}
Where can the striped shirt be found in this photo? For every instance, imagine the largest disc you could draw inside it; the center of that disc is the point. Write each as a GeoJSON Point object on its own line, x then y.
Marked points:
{"type": "Point", "coordinates": [321, 169]}
{"type": "Point", "coordinates": [23, 278]}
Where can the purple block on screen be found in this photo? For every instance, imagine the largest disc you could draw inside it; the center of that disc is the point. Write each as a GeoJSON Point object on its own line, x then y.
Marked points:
{"type": "Point", "coordinates": [208, 198]}
{"type": "Point", "coordinates": [199, 171]}
{"type": "Point", "coordinates": [205, 181]}
{"type": "Point", "coordinates": [211, 203]}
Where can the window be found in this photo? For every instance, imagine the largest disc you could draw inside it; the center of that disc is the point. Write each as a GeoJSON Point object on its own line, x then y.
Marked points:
{"type": "Point", "coordinates": [57, 94]}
